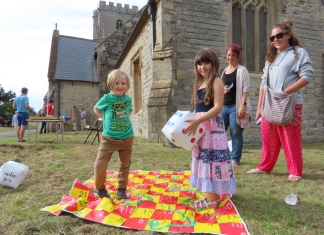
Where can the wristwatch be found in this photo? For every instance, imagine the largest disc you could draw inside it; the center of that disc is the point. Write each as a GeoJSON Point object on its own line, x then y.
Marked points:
{"type": "Point", "coordinates": [244, 103]}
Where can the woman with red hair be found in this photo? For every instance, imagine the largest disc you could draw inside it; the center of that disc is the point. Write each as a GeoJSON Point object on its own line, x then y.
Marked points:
{"type": "Point", "coordinates": [237, 107]}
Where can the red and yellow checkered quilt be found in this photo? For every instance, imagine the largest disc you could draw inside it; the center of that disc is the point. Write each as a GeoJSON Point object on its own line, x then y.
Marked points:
{"type": "Point", "coordinates": [157, 201]}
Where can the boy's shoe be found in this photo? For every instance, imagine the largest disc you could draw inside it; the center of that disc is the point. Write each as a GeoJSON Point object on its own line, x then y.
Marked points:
{"type": "Point", "coordinates": [103, 193]}
{"type": "Point", "coordinates": [121, 194]}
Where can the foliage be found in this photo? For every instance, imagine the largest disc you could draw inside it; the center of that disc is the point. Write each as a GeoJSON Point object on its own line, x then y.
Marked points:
{"type": "Point", "coordinates": [6, 101]}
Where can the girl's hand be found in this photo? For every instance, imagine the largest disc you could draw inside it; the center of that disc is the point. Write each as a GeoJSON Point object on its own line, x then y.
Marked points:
{"type": "Point", "coordinates": [192, 127]}
{"type": "Point", "coordinates": [241, 111]}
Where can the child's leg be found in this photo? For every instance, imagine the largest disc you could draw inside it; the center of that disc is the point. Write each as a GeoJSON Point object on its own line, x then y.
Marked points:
{"type": "Point", "coordinates": [124, 167]}
{"type": "Point", "coordinates": [211, 201]}
{"type": "Point", "coordinates": [124, 162]}
{"type": "Point", "coordinates": [212, 197]}
{"type": "Point", "coordinates": [101, 163]}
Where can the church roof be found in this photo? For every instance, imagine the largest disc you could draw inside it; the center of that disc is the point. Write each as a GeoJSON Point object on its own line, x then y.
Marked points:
{"type": "Point", "coordinates": [75, 59]}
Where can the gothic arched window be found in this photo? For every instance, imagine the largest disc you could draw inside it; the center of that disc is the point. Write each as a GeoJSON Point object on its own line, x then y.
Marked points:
{"type": "Point", "coordinates": [119, 24]}
{"type": "Point", "coordinates": [249, 25]}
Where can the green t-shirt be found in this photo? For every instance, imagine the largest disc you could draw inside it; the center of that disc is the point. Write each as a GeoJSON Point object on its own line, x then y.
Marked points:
{"type": "Point", "coordinates": [115, 109]}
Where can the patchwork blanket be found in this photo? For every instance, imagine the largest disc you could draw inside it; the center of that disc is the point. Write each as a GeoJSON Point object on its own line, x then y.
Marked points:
{"type": "Point", "coordinates": [157, 201]}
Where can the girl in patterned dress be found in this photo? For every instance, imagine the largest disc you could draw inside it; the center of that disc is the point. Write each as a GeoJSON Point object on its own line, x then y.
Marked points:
{"type": "Point", "coordinates": [211, 168]}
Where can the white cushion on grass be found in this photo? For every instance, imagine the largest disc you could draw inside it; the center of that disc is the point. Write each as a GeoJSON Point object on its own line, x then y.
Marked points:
{"type": "Point", "coordinates": [12, 173]}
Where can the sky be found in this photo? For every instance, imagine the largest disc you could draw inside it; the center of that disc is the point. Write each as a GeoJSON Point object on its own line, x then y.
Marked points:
{"type": "Point", "coordinates": [26, 33]}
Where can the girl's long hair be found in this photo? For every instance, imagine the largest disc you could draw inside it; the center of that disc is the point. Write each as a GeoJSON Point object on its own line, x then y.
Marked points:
{"type": "Point", "coordinates": [205, 55]}
{"type": "Point", "coordinates": [286, 27]}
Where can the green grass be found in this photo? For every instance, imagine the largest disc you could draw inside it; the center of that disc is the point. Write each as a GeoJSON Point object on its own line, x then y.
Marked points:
{"type": "Point", "coordinates": [7, 129]}
{"type": "Point", "coordinates": [53, 167]}
{"type": "Point", "coordinates": [11, 128]}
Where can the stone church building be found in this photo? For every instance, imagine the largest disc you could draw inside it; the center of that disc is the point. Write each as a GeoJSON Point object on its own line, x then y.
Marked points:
{"type": "Point", "coordinates": [156, 46]}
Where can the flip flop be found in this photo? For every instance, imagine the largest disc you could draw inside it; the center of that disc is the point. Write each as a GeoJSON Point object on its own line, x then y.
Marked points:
{"type": "Point", "coordinates": [257, 171]}
{"type": "Point", "coordinates": [203, 204]}
{"type": "Point", "coordinates": [293, 178]}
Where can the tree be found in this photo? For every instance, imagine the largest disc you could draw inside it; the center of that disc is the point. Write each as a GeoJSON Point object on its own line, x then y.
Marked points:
{"type": "Point", "coordinates": [6, 101]}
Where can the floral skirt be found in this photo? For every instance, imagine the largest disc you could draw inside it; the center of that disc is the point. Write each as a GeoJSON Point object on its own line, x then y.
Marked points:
{"type": "Point", "coordinates": [211, 166]}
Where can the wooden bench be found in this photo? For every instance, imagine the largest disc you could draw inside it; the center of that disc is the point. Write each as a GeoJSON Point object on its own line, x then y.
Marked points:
{"type": "Point", "coordinates": [38, 119]}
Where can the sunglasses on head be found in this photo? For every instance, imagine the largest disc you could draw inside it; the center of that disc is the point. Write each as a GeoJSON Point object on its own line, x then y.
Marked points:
{"type": "Point", "coordinates": [277, 36]}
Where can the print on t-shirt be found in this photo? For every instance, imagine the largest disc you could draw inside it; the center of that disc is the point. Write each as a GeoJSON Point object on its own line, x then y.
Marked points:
{"type": "Point", "coordinates": [119, 122]}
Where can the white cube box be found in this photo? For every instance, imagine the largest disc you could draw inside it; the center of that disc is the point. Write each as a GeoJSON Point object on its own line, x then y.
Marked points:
{"type": "Point", "coordinates": [12, 173]}
{"type": "Point", "coordinates": [174, 130]}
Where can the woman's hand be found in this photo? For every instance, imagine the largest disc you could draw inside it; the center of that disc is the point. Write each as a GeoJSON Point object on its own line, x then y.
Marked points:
{"type": "Point", "coordinates": [241, 111]}
{"type": "Point", "coordinates": [257, 114]}
{"type": "Point", "coordinates": [226, 89]}
{"type": "Point", "coordinates": [192, 127]}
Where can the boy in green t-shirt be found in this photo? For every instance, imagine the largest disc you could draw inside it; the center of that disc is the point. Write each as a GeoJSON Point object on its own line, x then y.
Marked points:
{"type": "Point", "coordinates": [114, 108]}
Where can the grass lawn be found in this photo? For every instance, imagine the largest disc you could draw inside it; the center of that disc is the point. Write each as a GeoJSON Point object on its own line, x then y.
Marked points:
{"type": "Point", "coordinates": [11, 128]}
{"type": "Point", "coordinates": [7, 129]}
{"type": "Point", "coordinates": [53, 167]}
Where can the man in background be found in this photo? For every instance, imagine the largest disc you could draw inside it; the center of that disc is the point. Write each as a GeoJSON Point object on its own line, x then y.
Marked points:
{"type": "Point", "coordinates": [21, 104]}
{"type": "Point", "coordinates": [43, 127]}
{"type": "Point", "coordinates": [83, 114]}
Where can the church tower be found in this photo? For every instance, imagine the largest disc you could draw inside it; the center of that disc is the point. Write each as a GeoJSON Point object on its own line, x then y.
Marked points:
{"type": "Point", "coordinates": [109, 18]}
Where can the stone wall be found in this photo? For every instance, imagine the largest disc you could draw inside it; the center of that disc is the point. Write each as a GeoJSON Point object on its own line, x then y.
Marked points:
{"type": "Point", "coordinates": [141, 48]}
{"type": "Point", "coordinates": [79, 94]}
{"type": "Point", "coordinates": [198, 24]}
{"type": "Point", "coordinates": [183, 27]}
{"type": "Point", "coordinates": [106, 16]}
{"type": "Point", "coordinates": [109, 51]}
{"type": "Point", "coordinates": [308, 18]}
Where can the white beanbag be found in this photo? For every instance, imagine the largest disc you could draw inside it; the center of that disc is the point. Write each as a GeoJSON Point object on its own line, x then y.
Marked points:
{"type": "Point", "coordinates": [12, 173]}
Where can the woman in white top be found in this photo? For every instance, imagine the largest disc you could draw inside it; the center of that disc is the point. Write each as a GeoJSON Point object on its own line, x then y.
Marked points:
{"type": "Point", "coordinates": [236, 108]}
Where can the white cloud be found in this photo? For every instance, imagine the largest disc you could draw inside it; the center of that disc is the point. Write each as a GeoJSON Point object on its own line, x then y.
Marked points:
{"type": "Point", "coordinates": [26, 33]}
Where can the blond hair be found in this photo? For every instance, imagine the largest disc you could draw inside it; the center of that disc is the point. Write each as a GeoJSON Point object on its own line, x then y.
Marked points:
{"type": "Point", "coordinates": [112, 77]}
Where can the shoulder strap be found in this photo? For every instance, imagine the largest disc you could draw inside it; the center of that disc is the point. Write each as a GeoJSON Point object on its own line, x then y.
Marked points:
{"type": "Point", "coordinates": [268, 75]}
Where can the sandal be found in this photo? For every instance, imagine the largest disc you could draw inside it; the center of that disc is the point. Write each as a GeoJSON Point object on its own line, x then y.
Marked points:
{"type": "Point", "coordinates": [293, 178]}
{"type": "Point", "coordinates": [203, 204]}
{"type": "Point", "coordinates": [257, 171]}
